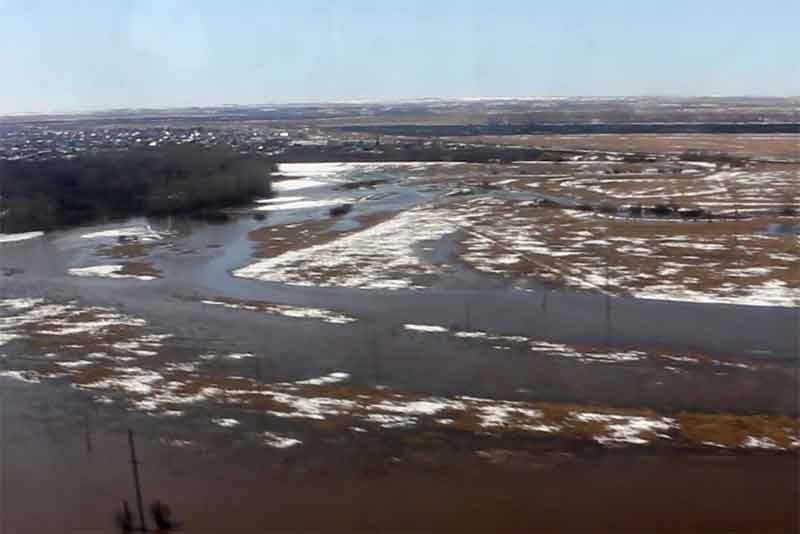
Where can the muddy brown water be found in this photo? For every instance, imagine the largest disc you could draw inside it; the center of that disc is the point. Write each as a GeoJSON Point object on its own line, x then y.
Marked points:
{"type": "Point", "coordinates": [55, 482]}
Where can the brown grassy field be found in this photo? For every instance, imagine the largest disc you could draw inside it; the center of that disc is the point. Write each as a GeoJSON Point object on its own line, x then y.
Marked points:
{"type": "Point", "coordinates": [780, 146]}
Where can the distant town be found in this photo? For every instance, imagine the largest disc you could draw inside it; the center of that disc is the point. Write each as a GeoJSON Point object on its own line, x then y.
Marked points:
{"type": "Point", "coordinates": [373, 131]}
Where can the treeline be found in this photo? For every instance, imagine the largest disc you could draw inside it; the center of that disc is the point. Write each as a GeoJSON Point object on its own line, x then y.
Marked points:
{"type": "Point", "coordinates": [47, 194]}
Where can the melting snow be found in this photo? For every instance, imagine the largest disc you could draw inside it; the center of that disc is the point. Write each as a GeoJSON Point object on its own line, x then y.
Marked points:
{"type": "Point", "coordinates": [424, 328]}
{"type": "Point", "coordinates": [288, 311]}
{"type": "Point", "coordinates": [332, 378]}
{"type": "Point", "coordinates": [279, 442]}
{"type": "Point", "coordinates": [22, 376]}
{"type": "Point", "coordinates": [14, 238]}
{"type": "Point", "coordinates": [279, 200]}
{"type": "Point", "coordinates": [303, 204]}
{"type": "Point", "coordinates": [752, 442]}
{"type": "Point", "coordinates": [107, 271]}
{"type": "Point", "coordinates": [225, 422]}
{"type": "Point", "coordinates": [636, 430]}
{"type": "Point", "coordinates": [384, 254]}
{"type": "Point", "coordinates": [391, 421]}
{"type": "Point", "coordinates": [143, 232]}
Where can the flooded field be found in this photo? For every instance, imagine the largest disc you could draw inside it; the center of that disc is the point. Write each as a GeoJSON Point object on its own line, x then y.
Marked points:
{"type": "Point", "coordinates": [498, 332]}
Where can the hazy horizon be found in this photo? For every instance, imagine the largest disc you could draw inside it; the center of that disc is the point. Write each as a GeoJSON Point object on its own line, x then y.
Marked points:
{"type": "Point", "coordinates": [378, 101]}
{"type": "Point", "coordinates": [87, 56]}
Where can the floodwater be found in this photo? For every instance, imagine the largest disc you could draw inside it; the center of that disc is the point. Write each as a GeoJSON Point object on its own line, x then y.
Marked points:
{"type": "Point", "coordinates": [224, 464]}
{"type": "Point", "coordinates": [57, 481]}
{"type": "Point", "coordinates": [202, 255]}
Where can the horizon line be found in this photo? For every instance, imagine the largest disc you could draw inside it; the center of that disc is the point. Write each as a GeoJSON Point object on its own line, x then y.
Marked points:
{"type": "Point", "coordinates": [388, 100]}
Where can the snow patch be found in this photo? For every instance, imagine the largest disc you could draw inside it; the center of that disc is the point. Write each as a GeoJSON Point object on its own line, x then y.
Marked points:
{"type": "Point", "coordinates": [15, 238]}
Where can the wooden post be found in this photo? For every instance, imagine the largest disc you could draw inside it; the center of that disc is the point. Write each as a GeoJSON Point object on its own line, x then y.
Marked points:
{"type": "Point", "coordinates": [3, 474]}
{"type": "Point", "coordinates": [376, 357]}
{"type": "Point", "coordinates": [87, 433]}
{"type": "Point", "coordinates": [545, 327]}
{"type": "Point", "coordinates": [135, 464]}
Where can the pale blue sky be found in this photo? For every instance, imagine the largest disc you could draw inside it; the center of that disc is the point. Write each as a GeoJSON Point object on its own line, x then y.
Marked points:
{"type": "Point", "coordinates": [63, 55]}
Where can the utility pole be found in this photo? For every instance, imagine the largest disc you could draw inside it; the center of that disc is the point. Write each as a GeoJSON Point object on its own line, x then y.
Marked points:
{"type": "Point", "coordinates": [607, 297]}
{"type": "Point", "coordinates": [87, 433]}
{"type": "Point", "coordinates": [3, 485]}
{"type": "Point", "coordinates": [376, 356]}
{"type": "Point", "coordinates": [3, 421]}
{"type": "Point", "coordinates": [545, 319]}
{"type": "Point", "coordinates": [135, 464]}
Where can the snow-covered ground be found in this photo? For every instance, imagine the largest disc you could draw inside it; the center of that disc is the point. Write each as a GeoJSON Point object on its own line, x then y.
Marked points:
{"type": "Point", "coordinates": [24, 236]}
{"type": "Point", "coordinates": [513, 241]}
{"type": "Point", "coordinates": [379, 257]}
{"type": "Point", "coordinates": [139, 232]}
{"type": "Point", "coordinates": [298, 312]}
{"type": "Point", "coordinates": [116, 271]}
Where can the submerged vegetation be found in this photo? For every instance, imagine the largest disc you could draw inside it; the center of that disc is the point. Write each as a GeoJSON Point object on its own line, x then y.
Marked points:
{"type": "Point", "coordinates": [47, 194]}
